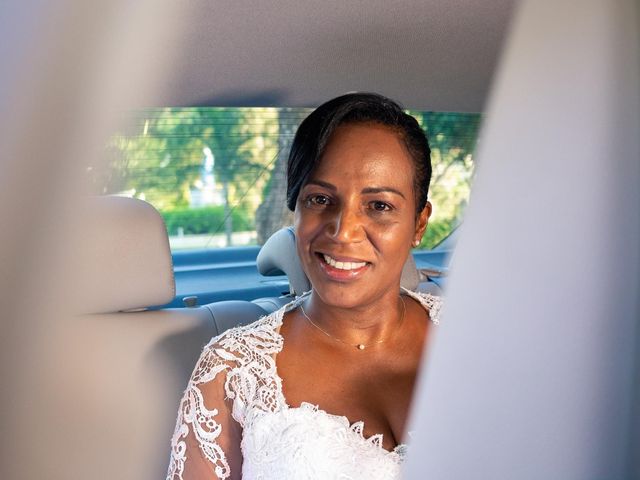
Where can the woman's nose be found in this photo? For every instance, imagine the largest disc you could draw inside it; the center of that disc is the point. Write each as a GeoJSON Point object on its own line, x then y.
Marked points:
{"type": "Point", "coordinates": [346, 225]}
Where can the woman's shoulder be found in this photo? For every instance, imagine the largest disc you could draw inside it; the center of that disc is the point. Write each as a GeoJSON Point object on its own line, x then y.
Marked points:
{"type": "Point", "coordinates": [242, 360]}
{"type": "Point", "coordinates": [431, 303]}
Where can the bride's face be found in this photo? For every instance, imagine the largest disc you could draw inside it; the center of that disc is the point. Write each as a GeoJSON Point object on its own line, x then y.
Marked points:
{"type": "Point", "coordinates": [356, 217]}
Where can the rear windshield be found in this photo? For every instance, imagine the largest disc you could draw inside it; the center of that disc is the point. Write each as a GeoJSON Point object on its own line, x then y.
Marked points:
{"type": "Point", "coordinates": [217, 175]}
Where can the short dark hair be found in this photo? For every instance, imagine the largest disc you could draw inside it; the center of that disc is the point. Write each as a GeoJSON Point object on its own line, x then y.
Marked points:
{"type": "Point", "coordinates": [316, 130]}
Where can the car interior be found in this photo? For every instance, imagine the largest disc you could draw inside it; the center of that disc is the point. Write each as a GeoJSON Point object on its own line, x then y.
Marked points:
{"type": "Point", "coordinates": [128, 270]}
{"type": "Point", "coordinates": [534, 370]}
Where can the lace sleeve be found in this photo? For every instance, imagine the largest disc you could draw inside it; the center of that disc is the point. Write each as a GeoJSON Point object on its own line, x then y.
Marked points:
{"type": "Point", "coordinates": [206, 441]}
{"type": "Point", "coordinates": [431, 303]}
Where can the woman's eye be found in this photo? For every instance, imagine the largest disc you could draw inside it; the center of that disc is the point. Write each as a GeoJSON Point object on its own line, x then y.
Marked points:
{"type": "Point", "coordinates": [379, 206]}
{"type": "Point", "coordinates": [318, 200]}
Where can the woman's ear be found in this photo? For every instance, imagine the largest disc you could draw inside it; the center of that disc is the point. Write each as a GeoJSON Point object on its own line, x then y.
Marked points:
{"type": "Point", "coordinates": [421, 223]}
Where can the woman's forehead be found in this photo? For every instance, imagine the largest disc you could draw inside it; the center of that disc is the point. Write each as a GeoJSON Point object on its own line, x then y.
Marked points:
{"type": "Point", "coordinates": [360, 152]}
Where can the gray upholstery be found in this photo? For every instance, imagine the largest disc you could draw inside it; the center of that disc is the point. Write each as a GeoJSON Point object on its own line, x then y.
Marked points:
{"type": "Point", "coordinates": [142, 360]}
{"type": "Point", "coordinates": [410, 276]}
{"type": "Point", "coordinates": [232, 313]}
{"type": "Point", "coordinates": [124, 257]}
{"type": "Point", "coordinates": [279, 256]}
{"type": "Point", "coordinates": [271, 304]}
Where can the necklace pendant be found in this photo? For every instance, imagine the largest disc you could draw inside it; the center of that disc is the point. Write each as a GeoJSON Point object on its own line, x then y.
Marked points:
{"type": "Point", "coordinates": [360, 346]}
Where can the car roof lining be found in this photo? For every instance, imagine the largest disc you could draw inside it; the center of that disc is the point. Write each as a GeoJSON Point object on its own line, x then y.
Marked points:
{"type": "Point", "coordinates": [427, 54]}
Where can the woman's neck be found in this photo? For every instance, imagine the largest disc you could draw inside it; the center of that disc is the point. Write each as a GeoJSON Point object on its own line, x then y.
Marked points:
{"type": "Point", "coordinates": [363, 324]}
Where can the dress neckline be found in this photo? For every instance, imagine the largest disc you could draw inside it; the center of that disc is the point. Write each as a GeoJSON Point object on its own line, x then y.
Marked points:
{"type": "Point", "coordinates": [357, 426]}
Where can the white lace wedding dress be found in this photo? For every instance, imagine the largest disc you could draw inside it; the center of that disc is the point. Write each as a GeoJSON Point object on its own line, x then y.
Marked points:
{"type": "Point", "coordinates": [244, 399]}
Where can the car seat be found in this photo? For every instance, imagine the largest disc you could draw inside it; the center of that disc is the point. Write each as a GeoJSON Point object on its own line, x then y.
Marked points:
{"type": "Point", "coordinates": [141, 358]}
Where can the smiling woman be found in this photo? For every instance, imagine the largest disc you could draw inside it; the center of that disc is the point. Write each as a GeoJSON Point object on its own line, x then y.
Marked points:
{"type": "Point", "coordinates": [331, 374]}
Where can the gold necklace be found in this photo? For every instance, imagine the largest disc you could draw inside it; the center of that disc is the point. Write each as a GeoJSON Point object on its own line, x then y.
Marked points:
{"type": "Point", "coordinates": [359, 346]}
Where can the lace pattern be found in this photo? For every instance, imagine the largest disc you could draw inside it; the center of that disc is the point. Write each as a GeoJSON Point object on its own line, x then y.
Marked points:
{"type": "Point", "coordinates": [246, 357]}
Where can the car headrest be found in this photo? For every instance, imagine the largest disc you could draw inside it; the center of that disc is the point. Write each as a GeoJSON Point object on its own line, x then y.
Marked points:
{"type": "Point", "coordinates": [410, 278]}
{"type": "Point", "coordinates": [279, 256]}
{"type": "Point", "coordinates": [124, 256]}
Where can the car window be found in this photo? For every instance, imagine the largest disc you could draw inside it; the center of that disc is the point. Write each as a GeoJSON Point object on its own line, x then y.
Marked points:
{"type": "Point", "coordinates": [217, 175]}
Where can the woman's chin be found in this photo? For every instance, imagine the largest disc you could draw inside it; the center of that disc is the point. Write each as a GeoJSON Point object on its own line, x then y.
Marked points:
{"type": "Point", "coordinates": [345, 295]}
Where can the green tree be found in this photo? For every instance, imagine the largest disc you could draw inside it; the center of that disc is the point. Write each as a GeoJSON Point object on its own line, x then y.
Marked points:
{"type": "Point", "coordinates": [235, 130]}
{"type": "Point", "coordinates": [273, 213]}
{"type": "Point", "coordinates": [452, 137]}
{"type": "Point", "coordinates": [160, 157]}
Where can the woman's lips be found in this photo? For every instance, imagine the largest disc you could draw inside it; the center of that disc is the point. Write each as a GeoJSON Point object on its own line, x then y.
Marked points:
{"type": "Point", "coordinates": [342, 268]}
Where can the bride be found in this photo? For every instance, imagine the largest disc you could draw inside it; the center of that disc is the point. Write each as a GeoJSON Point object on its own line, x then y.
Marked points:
{"type": "Point", "coordinates": [321, 388]}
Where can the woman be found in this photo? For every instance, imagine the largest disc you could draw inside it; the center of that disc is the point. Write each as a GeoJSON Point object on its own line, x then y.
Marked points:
{"type": "Point", "coordinates": [322, 387]}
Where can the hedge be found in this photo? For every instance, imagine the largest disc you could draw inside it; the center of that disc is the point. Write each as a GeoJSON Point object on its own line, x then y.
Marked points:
{"type": "Point", "coordinates": [204, 220]}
